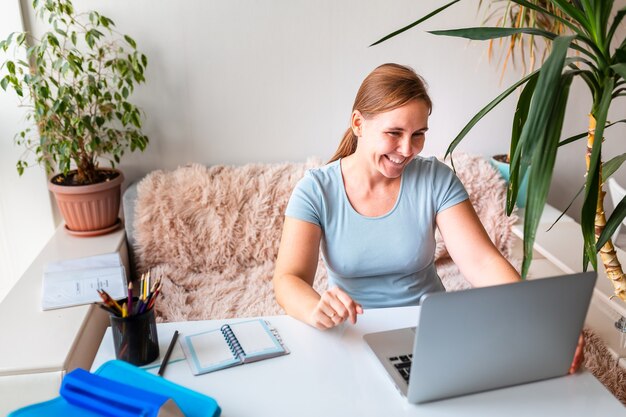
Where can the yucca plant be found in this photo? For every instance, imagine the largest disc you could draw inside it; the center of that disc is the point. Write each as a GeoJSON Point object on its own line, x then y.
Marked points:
{"type": "Point", "coordinates": [591, 53]}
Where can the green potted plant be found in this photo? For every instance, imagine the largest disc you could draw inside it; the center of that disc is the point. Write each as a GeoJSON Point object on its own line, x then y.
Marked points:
{"type": "Point", "coordinates": [600, 61]}
{"type": "Point", "coordinates": [75, 82]}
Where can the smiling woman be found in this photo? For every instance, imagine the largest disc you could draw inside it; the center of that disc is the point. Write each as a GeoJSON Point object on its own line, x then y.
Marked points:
{"type": "Point", "coordinates": [373, 211]}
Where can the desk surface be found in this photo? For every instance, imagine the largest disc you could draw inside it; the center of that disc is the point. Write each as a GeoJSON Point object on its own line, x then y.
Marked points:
{"type": "Point", "coordinates": [333, 373]}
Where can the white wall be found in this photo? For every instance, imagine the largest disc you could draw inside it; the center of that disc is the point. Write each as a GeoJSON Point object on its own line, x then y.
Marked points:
{"type": "Point", "coordinates": [25, 216]}
{"type": "Point", "coordinates": [236, 81]}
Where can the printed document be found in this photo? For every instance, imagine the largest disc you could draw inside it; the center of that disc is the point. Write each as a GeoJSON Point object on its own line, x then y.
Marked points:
{"type": "Point", "coordinates": [76, 281]}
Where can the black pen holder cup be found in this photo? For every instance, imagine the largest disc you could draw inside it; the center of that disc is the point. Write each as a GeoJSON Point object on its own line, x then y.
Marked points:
{"type": "Point", "coordinates": [135, 338]}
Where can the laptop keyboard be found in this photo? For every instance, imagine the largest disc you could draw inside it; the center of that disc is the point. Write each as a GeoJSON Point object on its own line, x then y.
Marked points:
{"type": "Point", "coordinates": [403, 364]}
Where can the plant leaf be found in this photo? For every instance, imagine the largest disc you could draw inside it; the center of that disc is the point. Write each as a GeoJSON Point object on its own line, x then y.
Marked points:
{"type": "Point", "coordinates": [603, 12]}
{"type": "Point", "coordinates": [11, 67]}
{"type": "Point", "coordinates": [521, 110]}
{"type": "Point", "coordinates": [574, 13]}
{"type": "Point", "coordinates": [544, 98]}
{"type": "Point", "coordinates": [519, 120]}
{"type": "Point", "coordinates": [540, 176]}
{"type": "Point", "coordinates": [612, 224]}
{"type": "Point", "coordinates": [580, 190]}
{"type": "Point", "coordinates": [572, 60]}
{"type": "Point", "coordinates": [585, 261]}
{"type": "Point", "coordinates": [584, 134]}
{"type": "Point", "coordinates": [417, 22]}
{"type": "Point", "coordinates": [485, 33]}
{"type": "Point", "coordinates": [616, 21]}
{"type": "Point", "coordinates": [589, 76]}
{"type": "Point", "coordinates": [620, 69]}
{"type": "Point", "coordinates": [609, 167]}
{"type": "Point", "coordinates": [130, 41]}
{"type": "Point", "coordinates": [620, 53]}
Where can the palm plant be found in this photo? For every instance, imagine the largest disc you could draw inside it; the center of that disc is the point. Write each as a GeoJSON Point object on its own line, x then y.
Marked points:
{"type": "Point", "coordinates": [541, 107]}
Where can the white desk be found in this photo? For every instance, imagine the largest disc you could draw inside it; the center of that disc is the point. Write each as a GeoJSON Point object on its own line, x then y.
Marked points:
{"type": "Point", "coordinates": [333, 373]}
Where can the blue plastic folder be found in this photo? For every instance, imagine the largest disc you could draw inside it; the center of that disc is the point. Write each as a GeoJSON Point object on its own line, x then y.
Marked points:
{"type": "Point", "coordinates": [118, 389]}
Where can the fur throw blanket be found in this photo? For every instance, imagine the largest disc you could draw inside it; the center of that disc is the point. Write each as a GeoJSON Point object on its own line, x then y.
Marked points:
{"type": "Point", "coordinates": [212, 233]}
{"type": "Point", "coordinates": [604, 366]}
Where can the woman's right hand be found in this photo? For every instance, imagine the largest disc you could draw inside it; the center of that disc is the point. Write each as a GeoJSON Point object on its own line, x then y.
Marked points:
{"type": "Point", "coordinates": [333, 308]}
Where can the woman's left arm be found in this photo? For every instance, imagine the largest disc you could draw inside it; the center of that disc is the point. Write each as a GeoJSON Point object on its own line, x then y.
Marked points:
{"type": "Point", "coordinates": [471, 248]}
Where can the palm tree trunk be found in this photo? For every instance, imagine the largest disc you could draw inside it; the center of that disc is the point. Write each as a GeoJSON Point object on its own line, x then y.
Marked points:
{"type": "Point", "coordinates": [607, 252]}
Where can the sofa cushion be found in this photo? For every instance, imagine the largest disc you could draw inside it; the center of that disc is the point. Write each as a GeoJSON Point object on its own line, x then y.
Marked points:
{"type": "Point", "coordinates": [212, 233]}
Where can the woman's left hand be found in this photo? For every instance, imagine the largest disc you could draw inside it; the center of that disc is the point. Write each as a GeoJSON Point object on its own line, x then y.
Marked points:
{"type": "Point", "coordinates": [579, 355]}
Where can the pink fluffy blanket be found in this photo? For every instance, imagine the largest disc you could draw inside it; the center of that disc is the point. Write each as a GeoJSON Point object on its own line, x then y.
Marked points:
{"type": "Point", "coordinates": [212, 233]}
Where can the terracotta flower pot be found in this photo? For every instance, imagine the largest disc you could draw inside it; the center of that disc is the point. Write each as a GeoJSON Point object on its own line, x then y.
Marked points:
{"type": "Point", "coordinates": [89, 210]}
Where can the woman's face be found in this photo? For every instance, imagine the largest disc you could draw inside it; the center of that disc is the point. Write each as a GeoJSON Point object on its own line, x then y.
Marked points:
{"type": "Point", "coordinates": [389, 141]}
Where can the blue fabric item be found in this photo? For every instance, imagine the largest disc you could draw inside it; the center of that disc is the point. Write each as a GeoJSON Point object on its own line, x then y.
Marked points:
{"type": "Point", "coordinates": [115, 376]}
{"type": "Point", "coordinates": [109, 398]}
{"type": "Point", "coordinates": [384, 261]}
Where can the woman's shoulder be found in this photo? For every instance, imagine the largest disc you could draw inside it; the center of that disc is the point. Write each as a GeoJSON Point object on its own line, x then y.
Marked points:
{"type": "Point", "coordinates": [325, 174]}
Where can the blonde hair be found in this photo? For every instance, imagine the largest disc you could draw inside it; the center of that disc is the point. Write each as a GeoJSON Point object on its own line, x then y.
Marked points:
{"type": "Point", "coordinates": [386, 88]}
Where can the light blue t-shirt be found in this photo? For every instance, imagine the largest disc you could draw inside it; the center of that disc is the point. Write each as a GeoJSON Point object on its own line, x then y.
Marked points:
{"type": "Point", "coordinates": [384, 261]}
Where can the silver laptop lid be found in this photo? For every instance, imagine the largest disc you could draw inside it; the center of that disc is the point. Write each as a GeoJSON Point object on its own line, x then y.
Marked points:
{"type": "Point", "coordinates": [492, 337]}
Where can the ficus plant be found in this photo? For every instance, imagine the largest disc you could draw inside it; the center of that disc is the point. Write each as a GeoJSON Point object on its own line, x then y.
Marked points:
{"type": "Point", "coordinates": [588, 49]}
{"type": "Point", "coordinates": [75, 82]}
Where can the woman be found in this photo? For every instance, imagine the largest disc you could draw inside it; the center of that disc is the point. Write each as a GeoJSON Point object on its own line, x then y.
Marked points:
{"type": "Point", "coordinates": [374, 208]}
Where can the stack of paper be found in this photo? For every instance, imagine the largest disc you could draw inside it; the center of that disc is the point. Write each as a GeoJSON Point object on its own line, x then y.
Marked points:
{"type": "Point", "coordinates": [76, 281]}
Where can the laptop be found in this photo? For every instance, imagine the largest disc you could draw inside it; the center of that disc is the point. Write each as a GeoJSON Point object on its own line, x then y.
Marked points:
{"type": "Point", "coordinates": [487, 338]}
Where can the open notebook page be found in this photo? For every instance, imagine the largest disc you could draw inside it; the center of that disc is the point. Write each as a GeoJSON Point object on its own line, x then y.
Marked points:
{"type": "Point", "coordinates": [256, 339]}
{"type": "Point", "coordinates": [209, 350]}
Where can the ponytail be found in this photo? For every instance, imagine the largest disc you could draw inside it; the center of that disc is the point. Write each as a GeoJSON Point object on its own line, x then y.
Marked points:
{"type": "Point", "coordinates": [347, 146]}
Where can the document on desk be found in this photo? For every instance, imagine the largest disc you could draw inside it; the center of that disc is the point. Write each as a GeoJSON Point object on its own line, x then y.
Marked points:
{"type": "Point", "coordinates": [76, 281]}
{"type": "Point", "coordinates": [232, 344]}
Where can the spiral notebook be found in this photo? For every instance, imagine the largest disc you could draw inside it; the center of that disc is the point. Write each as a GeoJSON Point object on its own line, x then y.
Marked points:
{"type": "Point", "coordinates": [232, 344]}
